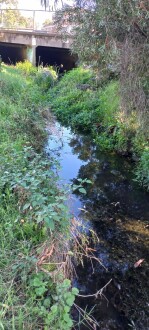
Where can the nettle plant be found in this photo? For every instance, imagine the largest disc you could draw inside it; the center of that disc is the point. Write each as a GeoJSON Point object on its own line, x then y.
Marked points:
{"type": "Point", "coordinates": [28, 176]}
{"type": "Point", "coordinates": [52, 303]}
{"type": "Point", "coordinates": [79, 185]}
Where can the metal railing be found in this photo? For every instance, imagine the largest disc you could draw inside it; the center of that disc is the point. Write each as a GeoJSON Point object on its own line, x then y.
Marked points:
{"type": "Point", "coordinates": [27, 20]}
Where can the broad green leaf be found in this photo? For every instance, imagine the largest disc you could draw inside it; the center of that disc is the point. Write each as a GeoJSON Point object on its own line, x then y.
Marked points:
{"type": "Point", "coordinates": [75, 291]}
{"type": "Point", "coordinates": [26, 206]}
{"type": "Point", "coordinates": [70, 301]}
{"type": "Point", "coordinates": [82, 190]}
{"type": "Point", "coordinates": [49, 223]}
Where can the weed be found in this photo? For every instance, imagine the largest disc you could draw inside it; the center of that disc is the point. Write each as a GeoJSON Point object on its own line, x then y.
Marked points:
{"type": "Point", "coordinates": [28, 176]}
{"type": "Point", "coordinates": [52, 304]}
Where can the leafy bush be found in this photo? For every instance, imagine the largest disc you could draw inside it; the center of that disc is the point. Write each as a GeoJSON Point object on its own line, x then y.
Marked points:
{"type": "Point", "coordinates": [27, 174]}
{"type": "Point", "coordinates": [76, 100]}
{"type": "Point", "coordinates": [45, 78]}
{"type": "Point", "coordinates": [55, 303]}
{"type": "Point", "coordinates": [27, 68]}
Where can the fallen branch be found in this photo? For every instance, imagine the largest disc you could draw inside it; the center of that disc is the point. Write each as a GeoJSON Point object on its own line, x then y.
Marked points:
{"type": "Point", "coordinates": [99, 292]}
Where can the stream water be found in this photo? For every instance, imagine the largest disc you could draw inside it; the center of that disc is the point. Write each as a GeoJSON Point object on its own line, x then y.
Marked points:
{"type": "Point", "coordinates": [118, 211]}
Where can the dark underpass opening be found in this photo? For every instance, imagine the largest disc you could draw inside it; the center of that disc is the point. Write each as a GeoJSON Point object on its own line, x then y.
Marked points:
{"type": "Point", "coordinates": [58, 57]}
{"type": "Point", "coordinates": [12, 53]}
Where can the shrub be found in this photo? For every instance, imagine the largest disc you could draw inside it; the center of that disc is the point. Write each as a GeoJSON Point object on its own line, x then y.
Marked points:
{"type": "Point", "coordinates": [27, 68]}
{"type": "Point", "coordinates": [27, 174]}
{"type": "Point", "coordinates": [45, 78]}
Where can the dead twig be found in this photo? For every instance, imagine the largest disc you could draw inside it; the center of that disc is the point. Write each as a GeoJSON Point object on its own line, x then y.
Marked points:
{"type": "Point", "coordinates": [99, 292]}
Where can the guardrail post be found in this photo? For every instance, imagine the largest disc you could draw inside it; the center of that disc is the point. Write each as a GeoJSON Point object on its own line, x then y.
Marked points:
{"type": "Point", "coordinates": [1, 17]}
{"type": "Point", "coordinates": [33, 19]}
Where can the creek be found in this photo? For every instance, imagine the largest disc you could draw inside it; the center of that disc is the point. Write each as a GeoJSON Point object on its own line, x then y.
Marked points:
{"type": "Point", "coordinates": [117, 209]}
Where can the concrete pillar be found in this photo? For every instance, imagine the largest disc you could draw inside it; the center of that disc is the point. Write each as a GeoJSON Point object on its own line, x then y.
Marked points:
{"type": "Point", "coordinates": [31, 54]}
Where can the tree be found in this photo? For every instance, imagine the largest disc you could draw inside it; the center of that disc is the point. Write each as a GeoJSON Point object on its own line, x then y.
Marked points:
{"type": "Point", "coordinates": [47, 22]}
{"type": "Point", "coordinates": [8, 3]}
{"type": "Point", "coordinates": [14, 19]}
{"type": "Point", "coordinates": [50, 4]}
{"type": "Point", "coordinates": [114, 35]}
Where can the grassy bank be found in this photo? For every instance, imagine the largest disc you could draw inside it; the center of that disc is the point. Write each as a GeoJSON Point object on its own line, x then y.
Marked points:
{"type": "Point", "coordinates": [34, 223]}
{"type": "Point", "coordinates": [80, 102]}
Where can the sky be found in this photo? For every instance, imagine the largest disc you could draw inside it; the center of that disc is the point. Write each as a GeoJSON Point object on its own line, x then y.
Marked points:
{"type": "Point", "coordinates": [33, 4]}
{"type": "Point", "coordinates": [36, 4]}
{"type": "Point", "coordinates": [30, 4]}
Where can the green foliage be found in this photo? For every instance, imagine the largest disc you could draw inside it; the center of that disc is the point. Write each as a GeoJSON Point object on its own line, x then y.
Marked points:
{"type": "Point", "coordinates": [88, 108]}
{"type": "Point", "coordinates": [52, 302]}
{"type": "Point", "coordinates": [59, 316]}
{"type": "Point", "coordinates": [32, 208]}
{"type": "Point", "coordinates": [79, 185]}
{"type": "Point", "coordinates": [38, 285]}
{"type": "Point", "coordinates": [79, 102]}
{"type": "Point", "coordinates": [45, 78]}
{"type": "Point", "coordinates": [112, 37]}
{"type": "Point", "coordinates": [26, 67]}
{"type": "Point", "coordinates": [72, 103]}
{"type": "Point", "coordinates": [28, 175]}
{"type": "Point", "coordinates": [20, 104]}
{"type": "Point", "coordinates": [142, 172]}
{"type": "Point", "coordinates": [14, 18]}
{"type": "Point", "coordinates": [110, 103]}
{"type": "Point", "coordinates": [0, 63]}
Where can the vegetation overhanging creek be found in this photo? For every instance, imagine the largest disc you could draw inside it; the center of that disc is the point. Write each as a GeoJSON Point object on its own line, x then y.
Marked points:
{"type": "Point", "coordinates": [117, 210]}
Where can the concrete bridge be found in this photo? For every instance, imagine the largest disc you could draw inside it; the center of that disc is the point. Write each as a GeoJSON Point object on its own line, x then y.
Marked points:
{"type": "Point", "coordinates": [38, 45]}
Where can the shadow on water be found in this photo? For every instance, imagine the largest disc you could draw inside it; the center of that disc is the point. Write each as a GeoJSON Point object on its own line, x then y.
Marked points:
{"type": "Point", "coordinates": [118, 210]}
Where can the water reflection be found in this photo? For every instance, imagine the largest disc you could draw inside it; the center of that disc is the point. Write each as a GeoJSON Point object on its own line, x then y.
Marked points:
{"type": "Point", "coordinates": [118, 210]}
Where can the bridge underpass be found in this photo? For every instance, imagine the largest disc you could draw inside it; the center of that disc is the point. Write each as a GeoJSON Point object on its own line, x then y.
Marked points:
{"type": "Point", "coordinates": [35, 42]}
{"type": "Point", "coordinates": [55, 56]}
{"type": "Point", "coordinates": [12, 53]}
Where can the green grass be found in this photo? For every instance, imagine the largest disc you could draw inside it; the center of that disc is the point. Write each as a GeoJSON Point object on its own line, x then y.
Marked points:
{"type": "Point", "coordinates": [32, 210]}
{"type": "Point", "coordinates": [87, 109]}
{"type": "Point", "coordinates": [20, 105]}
